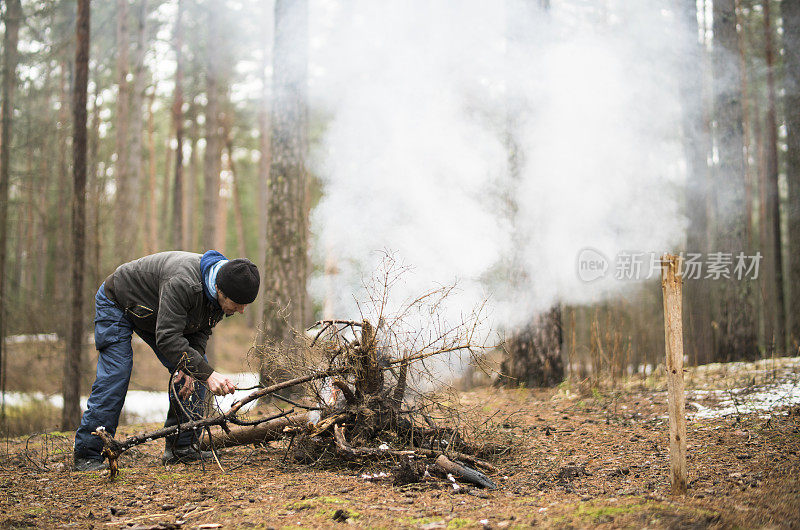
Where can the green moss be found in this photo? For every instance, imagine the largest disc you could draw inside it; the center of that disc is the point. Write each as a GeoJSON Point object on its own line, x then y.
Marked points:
{"type": "Point", "coordinates": [333, 500]}
{"type": "Point", "coordinates": [61, 434]}
{"type": "Point", "coordinates": [459, 523]}
{"type": "Point", "coordinates": [170, 477]}
{"type": "Point", "coordinates": [594, 513]}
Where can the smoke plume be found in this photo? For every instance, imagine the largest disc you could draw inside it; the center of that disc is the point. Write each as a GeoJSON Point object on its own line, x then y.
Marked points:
{"type": "Point", "coordinates": [427, 101]}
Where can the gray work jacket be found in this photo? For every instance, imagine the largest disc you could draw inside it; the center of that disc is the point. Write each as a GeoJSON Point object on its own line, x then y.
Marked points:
{"type": "Point", "coordinates": [163, 294]}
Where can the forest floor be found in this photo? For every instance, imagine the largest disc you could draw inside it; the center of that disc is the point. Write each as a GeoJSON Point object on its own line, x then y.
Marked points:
{"type": "Point", "coordinates": [597, 458]}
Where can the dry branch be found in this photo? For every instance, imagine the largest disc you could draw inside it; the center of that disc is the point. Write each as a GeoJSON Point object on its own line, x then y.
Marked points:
{"type": "Point", "coordinates": [464, 472]}
{"type": "Point", "coordinates": [112, 449]}
{"type": "Point", "coordinates": [345, 448]}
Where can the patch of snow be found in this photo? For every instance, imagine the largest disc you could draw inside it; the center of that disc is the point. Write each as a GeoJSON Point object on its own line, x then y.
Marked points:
{"type": "Point", "coordinates": [141, 406]}
{"type": "Point", "coordinates": [746, 400]}
{"type": "Point", "coordinates": [38, 337]}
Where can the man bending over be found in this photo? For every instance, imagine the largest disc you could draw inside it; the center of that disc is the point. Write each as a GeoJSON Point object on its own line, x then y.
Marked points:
{"type": "Point", "coordinates": [172, 300]}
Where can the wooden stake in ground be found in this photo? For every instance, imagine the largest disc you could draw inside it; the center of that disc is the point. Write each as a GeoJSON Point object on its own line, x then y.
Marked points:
{"type": "Point", "coordinates": [671, 281]}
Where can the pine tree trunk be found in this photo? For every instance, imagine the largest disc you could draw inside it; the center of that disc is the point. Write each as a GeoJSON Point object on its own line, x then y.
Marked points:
{"type": "Point", "coordinates": [221, 217]}
{"type": "Point", "coordinates": [791, 68]}
{"type": "Point", "coordinates": [95, 187]}
{"type": "Point", "coordinates": [177, 117]}
{"type": "Point", "coordinates": [19, 251]}
{"type": "Point", "coordinates": [164, 213]}
{"type": "Point", "coordinates": [25, 280]}
{"type": "Point", "coordinates": [12, 22]}
{"type": "Point", "coordinates": [746, 125]}
{"type": "Point", "coordinates": [59, 276]}
{"type": "Point", "coordinates": [42, 247]}
{"type": "Point", "coordinates": [241, 246]}
{"type": "Point", "coordinates": [772, 244]}
{"type": "Point", "coordinates": [759, 181]}
{"type": "Point", "coordinates": [123, 213]}
{"type": "Point", "coordinates": [211, 156]}
{"type": "Point", "coordinates": [73, 363]}
{"type": "Point", "coordinates": [151, 219]}
{"type": "Point", "coordinates": [264, 162]}
{"type": "Point", "coordinates": [190, 203]}
{"type": "Point", "coordinates": [735, 317]}
{"type": "Point", "coordinates": [287, 261]}
{"type": "Point", "coordinates": [135, 171]}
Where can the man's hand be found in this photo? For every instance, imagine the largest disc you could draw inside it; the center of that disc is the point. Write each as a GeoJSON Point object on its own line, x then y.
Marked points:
{"type": "Point", "coordinates": [219, 384]}
{"type": "Point", "coordinates": [188, 384]}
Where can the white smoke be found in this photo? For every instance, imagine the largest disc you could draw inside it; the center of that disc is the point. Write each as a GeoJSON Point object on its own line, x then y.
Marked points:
{"type": "Point", "coordinates": [420, 95]}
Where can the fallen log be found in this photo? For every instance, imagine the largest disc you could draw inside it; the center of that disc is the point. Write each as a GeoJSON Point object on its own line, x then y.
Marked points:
{"type": "Point", "coordinates": [257, 434]}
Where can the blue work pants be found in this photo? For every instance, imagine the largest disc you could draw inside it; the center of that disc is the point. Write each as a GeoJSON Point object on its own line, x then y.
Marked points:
{"type": "Point", "coordinates": [112, 337]}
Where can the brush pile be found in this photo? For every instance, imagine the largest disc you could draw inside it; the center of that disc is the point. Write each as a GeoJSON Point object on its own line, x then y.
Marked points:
{"type": "Point", "coordinates": [366, 416]}
{"type": "Point", "coordinates": [357, 410]}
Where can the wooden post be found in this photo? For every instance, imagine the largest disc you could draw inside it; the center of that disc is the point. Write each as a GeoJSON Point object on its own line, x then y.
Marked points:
{"type": "Point", "coordinates": [671, 281]}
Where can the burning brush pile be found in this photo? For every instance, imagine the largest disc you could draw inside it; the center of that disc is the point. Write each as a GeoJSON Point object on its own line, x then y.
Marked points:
{"type": "Point", "coordinates": [371, 411]}
{"type": "Point", "coordinates": [366, 403]}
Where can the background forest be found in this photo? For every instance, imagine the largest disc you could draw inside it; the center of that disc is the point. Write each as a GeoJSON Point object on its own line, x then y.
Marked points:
{"type": "Point", "coordinates": [492, 144]}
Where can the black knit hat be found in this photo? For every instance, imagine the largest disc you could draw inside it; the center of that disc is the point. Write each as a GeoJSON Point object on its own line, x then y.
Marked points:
{"type": "Point", "coordinates": [239, 280]}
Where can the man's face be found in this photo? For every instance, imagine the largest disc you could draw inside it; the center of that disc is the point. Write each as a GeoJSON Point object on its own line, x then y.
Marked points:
{"type": "Point", "coordinates": [229, 306]}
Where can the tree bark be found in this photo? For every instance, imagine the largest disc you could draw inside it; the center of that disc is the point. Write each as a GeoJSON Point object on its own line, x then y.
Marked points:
{"type": "Point", "coordinates": [791, 68]}
{"type": "Point", "coordinates": [58, 276]}
{"type": "Point", "coordinates": [746, 123]}
{"type": "Point", "coordinates": [124, 215]}
{"type": "Point", "coordinates": [773, 245]}
{"type": "Point", "coordinates": [151, 219]}
{"type": "Point", "coordinates": [12, 21]}
{"type": "Point", "coordinates": [177, 117]}
{"type": "Point", "coordinates": [735, 320]}
{"type": "Point", "coordinates": [95, 191]}
{"type": "Point", "coordinates": [237, 201]}
{"type": "Point", "coordinates": [221, 215]}
{"type": "Point", "coordinates": [211, 156]}
{"type": "Point", "coordinates": [264, 162]}
{"type": "Point", "coordinates": [190, 204]}
{"type": "Point", "coordinates": [135, 172]}
{"type": "Point", "coordinates": [73, 363]}
{"type": "Point", "coordinates": [287, 208]}
{"type": "Point", "coordinates": [164, 214]}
